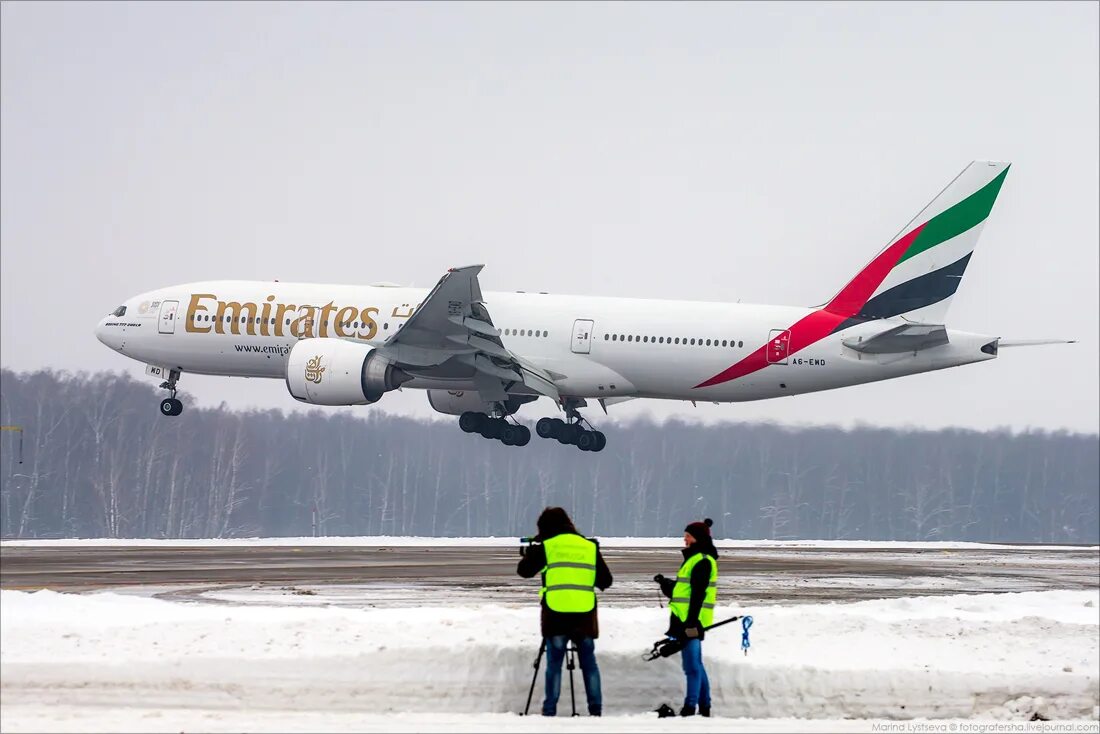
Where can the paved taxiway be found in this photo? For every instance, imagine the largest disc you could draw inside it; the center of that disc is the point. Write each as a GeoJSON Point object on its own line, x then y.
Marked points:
{"type": "Point", "coordinates": [395, 576]}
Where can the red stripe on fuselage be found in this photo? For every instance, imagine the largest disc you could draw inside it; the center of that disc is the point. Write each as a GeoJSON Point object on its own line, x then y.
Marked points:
{"type": "Point", "coordinates": [819, 324]}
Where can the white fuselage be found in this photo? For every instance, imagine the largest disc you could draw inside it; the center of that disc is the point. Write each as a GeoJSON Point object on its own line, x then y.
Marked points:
{"type": "Point", "coordinates": [632, 347]}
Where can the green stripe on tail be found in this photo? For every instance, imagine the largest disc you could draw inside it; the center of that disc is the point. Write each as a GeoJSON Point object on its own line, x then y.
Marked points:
{"type": "Point", "coordinates": [968, 213]}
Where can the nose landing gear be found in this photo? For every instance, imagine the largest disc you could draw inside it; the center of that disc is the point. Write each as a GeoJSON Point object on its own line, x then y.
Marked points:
{"type": "Point", "coordinates": [171, 406]}
{"type": "Point", "coordinates": [571, 431]}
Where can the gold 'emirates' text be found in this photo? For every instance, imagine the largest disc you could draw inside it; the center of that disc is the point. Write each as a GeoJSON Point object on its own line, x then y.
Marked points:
{"type": "Point", "coordinates": [269, 318]}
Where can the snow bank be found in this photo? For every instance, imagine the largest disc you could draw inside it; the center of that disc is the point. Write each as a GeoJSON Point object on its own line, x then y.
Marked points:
{"type": "Point", "coordinates": [1005, 656]}
{"type": "Point", "coordinates": [69, 718]}
{"type": "Point", "coordinates": [109, 719]}
{"type": "Point", "coordinates": [511, 540]}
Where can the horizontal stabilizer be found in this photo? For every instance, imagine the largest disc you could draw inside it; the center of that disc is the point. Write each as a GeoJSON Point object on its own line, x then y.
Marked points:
{"type": "Point", "coordinates": [904, 338]}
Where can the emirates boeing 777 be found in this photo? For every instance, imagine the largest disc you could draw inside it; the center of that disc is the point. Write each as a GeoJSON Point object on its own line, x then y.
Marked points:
{"type": "Point", "coordinates": [482, 356]}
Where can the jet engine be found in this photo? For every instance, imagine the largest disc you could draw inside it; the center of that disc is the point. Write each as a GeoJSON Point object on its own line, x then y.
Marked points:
{"type": "Point", "coordinates": [457, 402]}
{"type": "Point", "coordinates": [337, 372]}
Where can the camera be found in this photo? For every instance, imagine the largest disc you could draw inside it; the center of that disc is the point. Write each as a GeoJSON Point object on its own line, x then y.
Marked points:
{"type": "Point", "coordinates": [525, 541]}
{"type": "Point", "coordinates": [659, 578]}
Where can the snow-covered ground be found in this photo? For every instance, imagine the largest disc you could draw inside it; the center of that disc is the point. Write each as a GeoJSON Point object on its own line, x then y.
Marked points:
{"type": "Point", "coordinates": [113, 662]}
{"type": "Point", "coordinates": [511, 541]}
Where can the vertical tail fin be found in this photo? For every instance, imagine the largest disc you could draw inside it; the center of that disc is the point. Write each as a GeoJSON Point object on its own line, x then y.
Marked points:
{"type": "Point", "coordinates": [916, 275]}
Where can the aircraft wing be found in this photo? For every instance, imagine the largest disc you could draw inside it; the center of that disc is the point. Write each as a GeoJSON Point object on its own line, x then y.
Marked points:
{"type": "Point", "coordinates": [452, 329]}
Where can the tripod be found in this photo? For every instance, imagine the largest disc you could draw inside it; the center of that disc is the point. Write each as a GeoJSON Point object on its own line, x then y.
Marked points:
{"type": "Point", "coordinates": [570, 664]}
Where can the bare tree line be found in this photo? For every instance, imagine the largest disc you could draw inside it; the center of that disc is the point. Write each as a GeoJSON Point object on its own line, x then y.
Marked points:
{"type": "Point", "coordinates": [100, 462]}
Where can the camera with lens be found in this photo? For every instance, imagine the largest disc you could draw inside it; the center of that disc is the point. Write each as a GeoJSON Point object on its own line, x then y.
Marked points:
{"type": "Point", "coordinates": [659, 578]}
{"type": "Point", "coordinates": [526, 541]}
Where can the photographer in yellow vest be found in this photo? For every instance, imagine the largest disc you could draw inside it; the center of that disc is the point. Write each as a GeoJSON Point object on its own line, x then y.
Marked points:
{"type": "Point", "coordinates": [572, 569]}
{"type": "Point", "coordinates": [692, 595]}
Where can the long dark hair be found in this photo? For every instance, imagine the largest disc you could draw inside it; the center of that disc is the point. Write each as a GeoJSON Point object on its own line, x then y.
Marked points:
{"type": "Point", "coordinates": [555, 521]}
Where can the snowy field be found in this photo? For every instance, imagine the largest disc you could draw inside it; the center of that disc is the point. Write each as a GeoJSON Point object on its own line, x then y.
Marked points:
{"type": "Point", "coordinates": [281, 660]}
{"type": "Point", "coordinates": [511, 541]}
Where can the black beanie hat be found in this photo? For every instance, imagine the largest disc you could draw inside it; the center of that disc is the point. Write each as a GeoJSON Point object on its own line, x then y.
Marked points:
{"type": "Point", "coordinates": [700, 530]}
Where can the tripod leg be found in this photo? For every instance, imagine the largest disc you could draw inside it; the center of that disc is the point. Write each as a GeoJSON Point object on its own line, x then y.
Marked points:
{"type": "Point", "coordinates": [572, 665]}
{"type": "Point", "coordinates": [534, 677]}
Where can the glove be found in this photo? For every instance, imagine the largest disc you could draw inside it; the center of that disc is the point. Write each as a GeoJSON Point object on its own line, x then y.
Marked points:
{"type": "Point", "coordinates": [667, 584]}
{"type": "Point", "coordinates": [693, 631]}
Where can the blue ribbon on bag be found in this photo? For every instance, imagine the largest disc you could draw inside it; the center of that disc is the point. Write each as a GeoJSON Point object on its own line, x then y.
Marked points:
{"type": "Point", "coordinates": [746, 622]}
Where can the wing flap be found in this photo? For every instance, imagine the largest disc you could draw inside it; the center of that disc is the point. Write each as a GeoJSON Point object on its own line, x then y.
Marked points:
{"type": "Point", "coordinates": [475, 325]}
{"type": "Point", "coordinates": [481, 363]}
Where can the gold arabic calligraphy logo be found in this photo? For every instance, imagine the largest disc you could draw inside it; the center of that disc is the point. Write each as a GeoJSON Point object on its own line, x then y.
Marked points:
{"type": "Point", "coordinates": [314, 370]}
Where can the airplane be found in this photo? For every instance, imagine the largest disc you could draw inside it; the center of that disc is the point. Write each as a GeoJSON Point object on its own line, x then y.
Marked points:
{"type": "Point", "coordinates": [482, 356]}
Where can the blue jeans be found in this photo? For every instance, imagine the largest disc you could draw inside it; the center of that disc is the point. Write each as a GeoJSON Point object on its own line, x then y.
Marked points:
{"type": "Point", "coordinates": [555, 653]}
{"type": "Point", "coordinates": [698, 687]}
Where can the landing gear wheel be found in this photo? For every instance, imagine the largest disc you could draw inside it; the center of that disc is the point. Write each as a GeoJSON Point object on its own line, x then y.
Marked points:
{"type": "Point", "coordinates": [171, 406]}
{"type": "Point", "coordinates": [509, 435]}
{"type": "Point", "coordinates": [491, 428]}
{"type": "Point", "coordinates": [546, 428]}
{"type": "Point", "coordinates": [569, 433]}
{"type": "Point", "coordinates": [572, 430]}
{"type": "Point", "coordinates": [524, 436]}
{"type": "Point", "coordinates": [471, 421]}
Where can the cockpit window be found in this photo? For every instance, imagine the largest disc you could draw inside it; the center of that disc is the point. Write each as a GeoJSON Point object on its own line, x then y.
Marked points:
{"type": "Point", "coordinates": [120, 311]}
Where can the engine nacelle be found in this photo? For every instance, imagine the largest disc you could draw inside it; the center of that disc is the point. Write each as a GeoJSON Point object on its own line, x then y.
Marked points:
{"type": "Point", "coordinates": [337, 372]}
{"type": "Point", "coordinates": [457, 402]}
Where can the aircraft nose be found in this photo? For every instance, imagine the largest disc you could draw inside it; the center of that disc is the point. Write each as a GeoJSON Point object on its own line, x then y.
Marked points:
{"type": "Point", "coordinates": [109, 336]}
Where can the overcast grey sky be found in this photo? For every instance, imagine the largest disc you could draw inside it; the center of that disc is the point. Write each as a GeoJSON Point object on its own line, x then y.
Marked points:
{"type": "Point", "coordinates": [753, 152]}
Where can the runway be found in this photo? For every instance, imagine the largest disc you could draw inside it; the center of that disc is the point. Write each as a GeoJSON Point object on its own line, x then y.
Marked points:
{"type": "Point", "coordinates": [399, 575]}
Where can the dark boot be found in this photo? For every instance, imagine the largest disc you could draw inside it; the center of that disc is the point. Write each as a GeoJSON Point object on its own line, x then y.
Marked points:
{"type": "Point", "coordinates": [704, 710]}
{"type": "Point", "coordinates": [687, 711]}
{"type": "Point", "coordinates": [595, 710]}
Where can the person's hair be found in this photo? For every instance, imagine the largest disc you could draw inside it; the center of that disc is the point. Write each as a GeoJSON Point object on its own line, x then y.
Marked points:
{"type": "Point", "coordinates": [555, 521]}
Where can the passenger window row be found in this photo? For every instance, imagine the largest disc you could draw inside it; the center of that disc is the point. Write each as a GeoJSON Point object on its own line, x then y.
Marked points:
{"type": "Point", "coordinates": [673, 340]}
{"type": "Point", "coordinates": [541, 333]}
{"type": "Point", "coordinates": [258, 320]}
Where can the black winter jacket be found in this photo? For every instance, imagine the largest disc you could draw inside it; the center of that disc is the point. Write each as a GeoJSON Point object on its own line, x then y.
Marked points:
{"type": "Point", "coordinates": [575, 625]}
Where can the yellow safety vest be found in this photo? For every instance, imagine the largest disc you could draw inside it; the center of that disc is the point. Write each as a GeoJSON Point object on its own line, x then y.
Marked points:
{"type": "Point", "coordinates": [569, 578]}
{"type": "Point", "coordinates": [681, 592]}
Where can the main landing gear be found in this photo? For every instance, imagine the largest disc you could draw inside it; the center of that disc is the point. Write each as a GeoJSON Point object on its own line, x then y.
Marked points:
{"type": "Point", "coordinates": [171, 406]}
{"type": "Point", "coordinates": [570, 431]}
{"type": "Point", "coordinates": [509, 434]}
